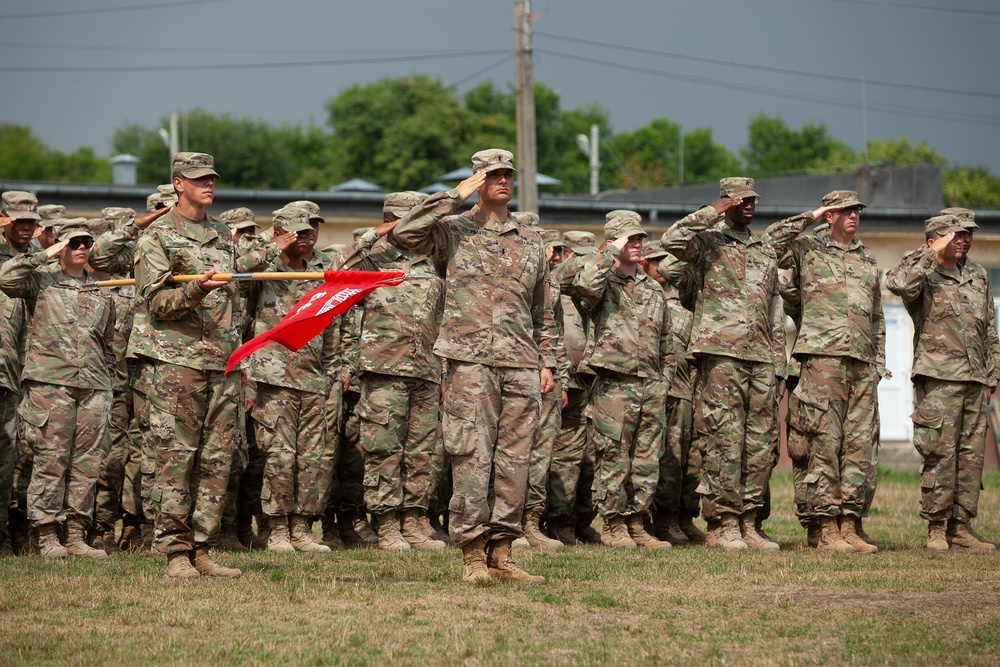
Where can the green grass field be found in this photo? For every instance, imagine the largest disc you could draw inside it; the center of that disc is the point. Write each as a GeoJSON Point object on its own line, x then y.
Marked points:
{"type": "Point", "coordinates": [686, 606]}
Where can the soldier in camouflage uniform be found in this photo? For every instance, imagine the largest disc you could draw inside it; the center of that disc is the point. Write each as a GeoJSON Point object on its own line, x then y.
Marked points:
{"type": "Point", "coordinates": [18, 219]}
{"type": "Point", "coordinates": [189, 330]}
{"type": "Point", "coordinates": [45, 235]}
{"type": "Point", "coordinates": [834, 296]}
{"type": "Point", "coordinates": [571, 474]}
{"type": "Point", "coordinates": [400, 380]}
{"type": "Point", "coordinates": [676, 499]}
{"type": "Point", "coordinates": [737, 338]}
{"type": "Point", "coordinates": [291, 390]}
{"type": "Point", "coordinates": [954, 371]}
{"type": "Point", "coordinates": [66, 380]}
{"type": "Point", "coordinates": [633, 351]}
{"type": "Point", "coordinates": [497, 337]}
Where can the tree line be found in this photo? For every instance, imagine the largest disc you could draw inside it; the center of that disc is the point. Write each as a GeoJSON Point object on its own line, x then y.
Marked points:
{"type": "Point", "coordinates": [403, 133]}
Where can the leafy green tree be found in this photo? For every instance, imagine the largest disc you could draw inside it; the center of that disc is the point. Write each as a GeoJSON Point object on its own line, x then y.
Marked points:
{"type": "Point", "coordinates": [902, 151]}
{"type": "Point", "coordinates": [774, 148]}
{"type": "Point", "coordinates": [24, 157]}
{"type": "Point", "coordinates": [971, 187]}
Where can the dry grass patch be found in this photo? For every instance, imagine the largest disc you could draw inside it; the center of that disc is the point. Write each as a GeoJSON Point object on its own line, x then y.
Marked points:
{"type": "Point", "coordinates": [600, 606]}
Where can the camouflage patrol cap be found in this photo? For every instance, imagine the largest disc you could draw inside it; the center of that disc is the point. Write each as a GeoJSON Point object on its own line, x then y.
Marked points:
{"type": "Point", "coordinates": [55, 224]}
{"type": "Point", "coordinates": [311, 207]}
{"type": "Point", "coordinates": [360, 231]}
{"type": "Point", "coordinates": [166, 189]}
{"type": "Point", "coordinates": [334, 248]}
{"type": "Point", "coordinates": [51, 211]}
{"type": "Point", "coordinates": [20, 205]}
{"type": "Point", "coordinates": [622, 223]}
{"type": "Point", "coordinates": [842, 199]}
{"type": "Point", "coordinates": [653, 250]}
{"type": "Point", "coordinates": [120, 216]}
{"type": "Point", "coordinates": [238, 218]}
{"type": "Point", "coordinates": [492, 159]}
{"type": "Point", "coordinates": [578, 239]}
{"type": "Point", "coordinates": [966, 215]}
{"type": "Point", "coordinates": [72, 228]}
{"type": "Point", "coordinates": [528, 218]}
{"type": "Point", "coordinates": [160, 200]}
{"type": "Point", "coordinates": [193, 165]}
{"type": "Point", "coordinates": [737, 187]}
{"type": "Point", "coordinates": [400, 203]}
{"type": "Point", "coordinates": [98, 226]}
{"type": "Point", "coordinates": [943, 224]}
{"type": "Point", "coordinates": [553, 239]}
{"type": "Point", "coordinates": [291, 219]}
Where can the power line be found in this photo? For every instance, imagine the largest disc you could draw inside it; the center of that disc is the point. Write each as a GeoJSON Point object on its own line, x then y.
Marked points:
{"type": "Point", "coordinates": [204, 49]}
{"type": "Point", "coordinates": [479, 73]}
{"type": "Point", "coordinates": [964, 13]}
{"type": "Point", "coordinates": [981, 119]}
{"type": "Point", "coordinates": [250, 66]}
{"type": "Point", "coordinates": [778, 70]}
{"type": "Point", "coordinates": [109, 10]}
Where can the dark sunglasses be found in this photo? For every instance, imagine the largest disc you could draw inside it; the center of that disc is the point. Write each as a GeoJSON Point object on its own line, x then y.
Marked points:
{"type": "Point", "coordinates": [75, 243]}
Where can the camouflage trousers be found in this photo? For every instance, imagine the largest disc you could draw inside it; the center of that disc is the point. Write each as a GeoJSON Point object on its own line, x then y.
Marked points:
{"type": "Point", "coordinates": [568, 453]}
{"type": "Point", "coordinates": [248, 503]}
{"type": "Point", "coordinates": [550, 423]}
{"type": "Point", "coordinates": [734, 417]}
{"type": "Point", "coordinates": [110, 481]}
{"type": "Point", "coordinates": [241, 458]}
{"type": "Point", "coordinates": [66, 429]}
{"type": "Point", "coordinates": [400, 441]}
{"type": "Point", "coordinates": [8, 453]}
{"type": "Point", "coordinates": [949, 431]}
{"type": "Point", "coordinates": [626, 427]}
{"type": "Point", "coordinates": [676, 489]}
{"type": "Point", "coordinates": [833, 425]}
{"type": "Point", "coordinates": [347, 492]}
{"type": "Point", "coordinates": [193, 429]}
{"type": "Point", "coordinates": [139, 463]}
{"type": "Point", "coordinates": [291, 431]}
{"type": "Point", "coordinates": [490, 420]}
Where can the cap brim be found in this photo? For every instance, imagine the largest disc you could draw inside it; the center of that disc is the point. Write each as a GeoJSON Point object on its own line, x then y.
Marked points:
{"type": "Point", "coordinates": [244, 225]}
{"type": "Point", "coordinates": [632, 231]}
{"type": "Point", "coordinates": [584, 249]}
{"type": "Point", "coordinates": [296, 227]}
{"type": "Point", "coordinates": [744, 194]}
{"type": "Point", "coordinates": [75, 234]}
{"type": "Point", "coordinates": [318, 218]}
{"type": "Point", "coordinates": [23, 215]}
{"type": "Point", "coordinates": [198, 173]}
{"type": "Point", "coordinates": [494, 167]}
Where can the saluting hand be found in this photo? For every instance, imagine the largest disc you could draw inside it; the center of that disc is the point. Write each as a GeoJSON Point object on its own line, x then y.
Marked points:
{"type": "Point", "coordinates": [284, 239]}
{"type": "Point", "coordinates": [470, 185]}
{"type": "Point", "coordinates": [146, 219]}
{"type": "Point", "coordinates": [56, 248]}
{"type": "Point", "coordinates": [939, 244]}
{"type": "Point", "coordinates": [821, 212]}
{"type": "Point", "coordinates": [725, 203]}
{"type": "Point", "coordinates": [5, 220]}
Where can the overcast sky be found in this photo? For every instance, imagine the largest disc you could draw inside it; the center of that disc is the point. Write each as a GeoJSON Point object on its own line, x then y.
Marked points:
{"type": "Point", "coordinates": [75, 70]}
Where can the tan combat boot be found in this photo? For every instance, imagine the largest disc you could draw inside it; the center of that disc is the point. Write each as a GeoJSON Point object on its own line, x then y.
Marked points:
{"type": "Point", "coordinates": [714, 526]}
{"type": "Point", "coordinates": [562, 529]}
{"type": "Point", "coordinates": [860, 530]}
{"type": "Point", "coordinates": [586, 534]}
{"type": "Point", "coordinates": [531, 521]}
{"type": "Point", "coordinates": [615, 533]}
{"type": "Point", "coordinates": [972, 531]}
{"type": "Point", "coordinates": [206, 566]}
{"type": "Point", "coordinates": [302, 539]}
{"type": "Point", "coordinates": [730, 538]}
{"type": "Point", "coordinates": [830, 538]}
{"type": "Point", "coordinates": [76, 541]}
{"type": "Point", "coordinates": [958, 536]}
{"type": "Point", "coordinates": [502, 567]}
{"type": "Point", "coordinates": [106, 542]}
{"type": "Point", "coordinates": [848, 530]}
{"type": "Point", "coordinates": [474, 561]}
{"type": "Point", "coordinates": [228, 541]}
{"type": "Point", "coordinates": [388, 533]}
{"type": "Point", "coordinates": [642, 539]}
{"type": "Point", "coordinates": [279, 541]}
{"type": "Point", "coordinates": [937, 539]}
{"type": "Point", "coordinates": [364, 529]}
{"type": "Point", "coordinates": [694, 534]}
{"type": "Point", "coordinates": [48, 541]}
{"type": "Point", "coordinates": [179, 566]}
{"type": "Point", "coordinates": [669, 529]}
{"type": "Point", "coordinates": [754, 540]}
{"type": "Point", "coordinates": [812, 534]}
{"type": "Point", "coordinates": [430, 531]}
{"type": "Point", "coordinates": [414, 536]}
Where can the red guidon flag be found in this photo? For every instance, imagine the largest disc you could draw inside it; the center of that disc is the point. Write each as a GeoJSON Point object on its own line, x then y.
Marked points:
{"type": "Point", "coordinates": [339, 291]}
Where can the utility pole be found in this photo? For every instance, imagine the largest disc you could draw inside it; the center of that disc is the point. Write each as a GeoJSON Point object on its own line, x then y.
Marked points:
{"type": "Point", "coordinates": [524, 83]}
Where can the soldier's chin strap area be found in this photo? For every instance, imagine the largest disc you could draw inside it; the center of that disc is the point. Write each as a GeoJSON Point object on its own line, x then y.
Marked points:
{"type": "Point", "coordinates": [280, 275]}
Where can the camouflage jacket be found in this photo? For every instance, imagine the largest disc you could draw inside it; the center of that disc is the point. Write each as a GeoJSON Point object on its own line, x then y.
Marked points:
{"type": "Point", "coordinates": [496, 309]}
{"type": "Point", "coordinates": [114, 253]}
{"type": "Point", "coordinates": [954, 330]}
{"type": "Point", "coordinates": [576, 324]}
{"type": "Point", "coordinates": [738, 310]}
{"type": "Point", "coordinates": [833, 293]}
{"type": "Point", "coordinates": [13, 329]}
{"type": "Point", "coordinates": [682, 295]}
{"type": "Point", "coordinates": [71, 336]}
{"type": "Point", "coordinates": [180, 323]}
{"type": "Point", "coordinates": [400, 323]}
{"type": "Point", "coordinates": [312, 367]}
{"type": "Point", "coordinates": [632, 333]}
